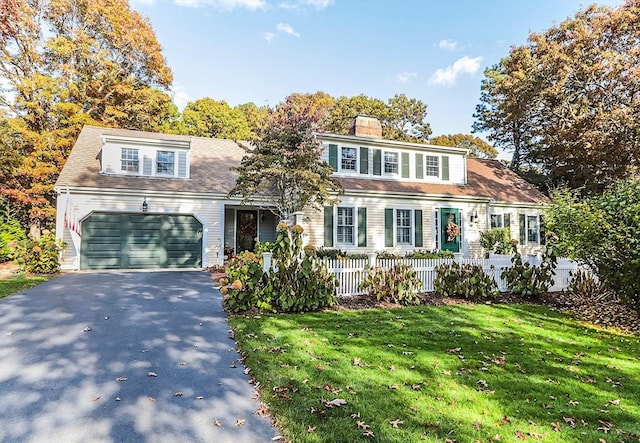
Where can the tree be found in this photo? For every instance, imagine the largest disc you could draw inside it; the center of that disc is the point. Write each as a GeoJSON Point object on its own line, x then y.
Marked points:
{"type": "Point", "coordinates": [283, 171]}
{"type": "Point", "coordinates": [256, 117]}
{"type": "Point", "coordinates": [9, 18]}
{"type": "Point", "coordinates": [68, 63]}
{"type": "Point", "coordinates": [207, 117]}
{"type": "Point", "coordinates": [401, 118]}
{"type": "Point", "coordinates": [603, 232]}
{"type": "Point", "coordinates": [568, 102]}
{"type": "Point", "coordinates": [476, 146]}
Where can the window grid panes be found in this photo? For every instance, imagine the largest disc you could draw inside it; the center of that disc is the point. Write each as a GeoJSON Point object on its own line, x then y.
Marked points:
{"type": "Point", "coordinates": [165, 162]}
{"type": "Point", "coordinates": [496, 221]}
{"type": "Point", "coordinates": [432, 167]}
{"type": "Point", "coordinates": [403, 226]}
{"type": "Point", "coordinates": [532, 229]}
{"type": "Point", "coordinates": [391, 162]}
{"type": "Point", "coordinates": [348, 159]}
{"type": "Point", "coordinates": [129, 160]}
{"type": "Point", "coordinates": [345, 226]}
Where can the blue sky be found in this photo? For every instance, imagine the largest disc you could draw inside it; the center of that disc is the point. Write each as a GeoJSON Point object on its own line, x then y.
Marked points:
{"type": "Point", "coordinates": [261, 51]}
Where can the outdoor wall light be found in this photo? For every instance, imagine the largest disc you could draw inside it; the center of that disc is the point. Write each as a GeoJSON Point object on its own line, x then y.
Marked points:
{"type": "Point", "coordinates": [473, 218]}
{"type": "Point", "coordinates": [145, 205]}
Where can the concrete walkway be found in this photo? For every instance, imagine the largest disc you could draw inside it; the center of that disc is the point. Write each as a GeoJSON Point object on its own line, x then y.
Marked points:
{"type": "Point", "coordinates": [123, 357]}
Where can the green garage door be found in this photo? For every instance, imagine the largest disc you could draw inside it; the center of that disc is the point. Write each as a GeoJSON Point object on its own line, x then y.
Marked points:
{"type": "Point", "coordinates": [140, 241]}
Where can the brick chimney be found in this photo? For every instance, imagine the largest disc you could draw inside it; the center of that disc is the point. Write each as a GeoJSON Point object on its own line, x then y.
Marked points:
{"type": "Point", "coordinates": [365, 126]}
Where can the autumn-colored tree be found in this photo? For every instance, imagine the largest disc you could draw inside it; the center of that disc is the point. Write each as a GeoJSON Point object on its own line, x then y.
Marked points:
{"type": "Point", "coordinates": [476, 146]}
{"type": "Point", "coordinates": [568, 102]}
{"type": "Point", "coordinates": [9, 18]}
{"type": "Point", "coordinates": [68, 63]}
{"type": "Point", "coordinates": [207, 117]}
{"type": "Point", "coordinates": [283, 171]}
{"type": "Point", "coordinates": [257, 117]}
{"type": "Point", "coordinates": [402, 118]}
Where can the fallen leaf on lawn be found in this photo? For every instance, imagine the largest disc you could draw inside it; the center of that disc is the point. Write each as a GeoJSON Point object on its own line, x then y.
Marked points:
{"type": "Point", "coordinates": [311, 429]}
{"type": "Point", "coordinates": [394, 386]}
{"type": "Point", "coordinates": [573, 403]}
{"type": "Point", "coordinates": [152, 374]}
{"type": "Point", "coordinates": [240, 422]}
{"type": "Point", "coordinates": [263, 411]}
{"type": "Point", "coordinates": [354, 416]}
{"type": "Point", "coordinates": [433, 425]}
{"type": "Point", "coordinates": [570, 421]}
{"type": "Point", "coordinates": [335, 402]}
{"type": "Point", "coordinates": [122, 379]}
{"type": "Point", "coordinates": [178, 394]}
{"type": "Point", "coordinates": [217, 423]}
{"type": "Point", "coordinates": [555, 426]}
{"type": "Point", "coordinates": [535, 434]}
{"type": "Point", "coordinates": [547, 406]}
{"type": "Point", "coordinates": [483, 383]}
{"type": "Point", "coordinates": [449, 440]}
{"type": "Point", "coordinates": [368, 433]}
{"type": "Point", "coordinates": [520, 435]}
{"type": "Point", "coordinates": [151, 399]}
{"type": "Point", "coordinates": [278, 438]}
{"type": "Point", "coordinates": [392, 368]}
{"type": "Point", "coordinates": [446, 372]}
{"type": "Point", "coordinates": [319, 367]}
{"type": "Point", "coordinates": [496, 437]}
{"type": "Point", "coordinates": [356, 361]}
{"type": "Point", "coordinates": [602, 440]}
{"type": "Point", "coordinates": [395, 423]}
{"type": "Point", "coordinates": [614, 402]}
{"type": "Point", "coordinates": [477, 426]}
{"type": "Point", "coordinates": [362, 425]}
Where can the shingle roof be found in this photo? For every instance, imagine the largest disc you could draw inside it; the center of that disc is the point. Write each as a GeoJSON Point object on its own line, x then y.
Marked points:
{"type": "Point", "coordinates": [212, 160]}
{"type": "Point", "coordinates": [210, 172]}
{"type": "Point", "coordinates": [485, 179]}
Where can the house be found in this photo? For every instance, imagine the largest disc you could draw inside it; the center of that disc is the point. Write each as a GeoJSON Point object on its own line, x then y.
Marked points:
{"type": "Point", "coordinates": [131, 199]}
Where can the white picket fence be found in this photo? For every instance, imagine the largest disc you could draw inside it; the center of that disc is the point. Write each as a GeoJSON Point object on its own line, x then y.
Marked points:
{"type": "Point", "coordinates": [352, 272]}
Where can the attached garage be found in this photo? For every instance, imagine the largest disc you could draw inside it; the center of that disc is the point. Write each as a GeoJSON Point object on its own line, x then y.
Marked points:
{"type": "Point", "coordinates": [140, 241]}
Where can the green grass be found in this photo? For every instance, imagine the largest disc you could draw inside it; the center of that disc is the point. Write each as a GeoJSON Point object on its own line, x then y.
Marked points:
{"type": "Point", "coordinates": [454, 373]}
{"type": "Point", "coordinates": [13, 285]}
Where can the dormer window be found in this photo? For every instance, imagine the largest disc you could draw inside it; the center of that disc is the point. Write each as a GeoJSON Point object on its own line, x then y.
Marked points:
{"type": "Point", "coordinates": [165, 162]}
{"type": "Point", "coordinates": [348, 159]}
{"type": "Point", "coordinates": [391, 163]}
{"type": "Point", "coordinates": [129, 161]}
{"type": "Point", "coordinates": [432, 166]}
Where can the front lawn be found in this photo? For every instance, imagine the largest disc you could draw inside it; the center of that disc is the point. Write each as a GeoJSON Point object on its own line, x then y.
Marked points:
{"type": "Point", "coordinates": [12, 285]}
{"type": "Point", "coordinates": [457, 373]}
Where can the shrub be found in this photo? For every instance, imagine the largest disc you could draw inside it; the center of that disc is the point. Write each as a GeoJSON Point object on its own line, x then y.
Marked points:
{"type": "Point", "coordinates": [497, 240]}
{"type": "Point", "coordinates": [10, 232]}
{"type": "Point", "coordinates": [585, 285]}
{"type": "Point", "coordinates": [399, 284]}
{"type": "Point", "coordinates": [529, 280]}
{"type": "Point", "coordinates": [467, 281]}
{"type": "Point", "coordinates": [245, 274]}
{"type": "Point", "coordinates": [38, 257]}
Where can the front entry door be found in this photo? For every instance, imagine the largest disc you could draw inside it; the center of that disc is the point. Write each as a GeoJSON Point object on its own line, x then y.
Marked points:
{"type": "Point", "coordinates": [450, 229]}
{"type": "Point", "coordinates": [246, 230]}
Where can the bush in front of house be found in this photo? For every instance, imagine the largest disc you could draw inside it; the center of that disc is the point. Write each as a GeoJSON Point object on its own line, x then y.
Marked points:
{"type": "Point", "coordinates": [466, 281]}
{"type": "Point", "coordinates": [38, 256]}
{"type": "Point", "coordinates": [529, 280]}
{"type": "Point", "coordinates": [603, 232]}
{"type": "Point", "coordinates": [497, 240]}
{"type": "Point", "coordinates": [400, 284]}
{"type": "Point", "coordinates": [298, 281]}
{"type": "Point", "coordinates": [10, 232]}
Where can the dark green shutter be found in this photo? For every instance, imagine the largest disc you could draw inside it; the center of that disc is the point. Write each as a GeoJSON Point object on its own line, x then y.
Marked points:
{"type": "Point", "coordinates": [418, 221]}
{"type": "Point", "coordinates": [507, 220]}
{"type": "Point", "coordinates": [333, 156]}
{"type": "Point", "coordinates": [364, 160]}
{"type": "Point", "coordinates": [377, 162]}
{"type": "Point", "coordinates": [362, 227]}
{"type": "Point", "coordinates": [328, 226]}
{"type": "Point", "coordinates": [523, 228]}
{"type": "Point", "coordinates": [419, 166]}
{"type": "Point", "coordinates": [445, 167]}
{"type": "Point", "coordinates": [405, 164]}
{"type": "Point", "coordinates": [388, 228]}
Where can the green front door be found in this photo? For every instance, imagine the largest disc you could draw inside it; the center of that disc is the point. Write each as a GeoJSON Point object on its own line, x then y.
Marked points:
{"type": "Point", "coordinates": [140, 241]}
{"type": "Point", "coordinates": [450, 229]}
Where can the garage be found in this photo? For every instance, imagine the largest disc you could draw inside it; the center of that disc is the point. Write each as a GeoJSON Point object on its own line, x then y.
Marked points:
{"type": "Point", "coordinates": [140, 241]}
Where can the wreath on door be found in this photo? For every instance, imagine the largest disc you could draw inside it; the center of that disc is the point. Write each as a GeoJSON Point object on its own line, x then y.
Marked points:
{"type": "Point", "coordinates": [452, 231]}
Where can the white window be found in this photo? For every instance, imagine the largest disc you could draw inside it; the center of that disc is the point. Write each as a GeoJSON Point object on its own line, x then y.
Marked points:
{"type": "Point", "coordinates": [129, 161]}
{"type": "Point", "coordinates": [403, 227]}
{"type": "Point", "coordinates": [500, 221]}
{"type": "Point", "coordinates": [348, 159]}
{"type": "Point", "coordinates": [390, 162]}
{"type": "Point", "coordinates": [432, 166]}
{"type": "Point", "coordinates": [533, 229]}
{"type": "Point", "coordinates": [165, 162]}
{"type": "Point", "coordinates": [345, 227]}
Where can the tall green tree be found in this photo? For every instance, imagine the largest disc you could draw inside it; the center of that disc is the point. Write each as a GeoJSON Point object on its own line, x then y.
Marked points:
{"type": "Point", "coordinates": [568, 101]}
{"type": "Point", "coordinates": [402, 118]}
{"type": "Point", "coordinates": [283, 171]}
{"type": "Point", "coordinates": [476, 146]}
{"type": "Point", "coordinates": [69, 63]}
{"type": "Point", "coordinates": [207, 117]}
{"type": "Point", "coordinates": [257, 117]}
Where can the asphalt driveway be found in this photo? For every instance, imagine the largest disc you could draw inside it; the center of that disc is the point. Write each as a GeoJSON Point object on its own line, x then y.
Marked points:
{"type": "Point", "coordinates": [123, 357]}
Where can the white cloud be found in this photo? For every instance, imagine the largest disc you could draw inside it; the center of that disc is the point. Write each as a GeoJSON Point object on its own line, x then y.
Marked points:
{"type": "Point", "coordinates": [405, 77]}
{"type": "Point", "coordinates": [303, 4]}
{"type": "Point", "coordinates": [227, 5]}
{"type": "Point", "coordinates": [287, 29]}
{"type": "Point", "coordinates": [180, 96]}
{"type": "Point", "coordinates": [318, 4]}
{"type": "Point", "coordinates": [449, 75]}
{"type": "Point", "coordinates": [268, 36]}
{"type": "Point", "coordinates": [449, 45]}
